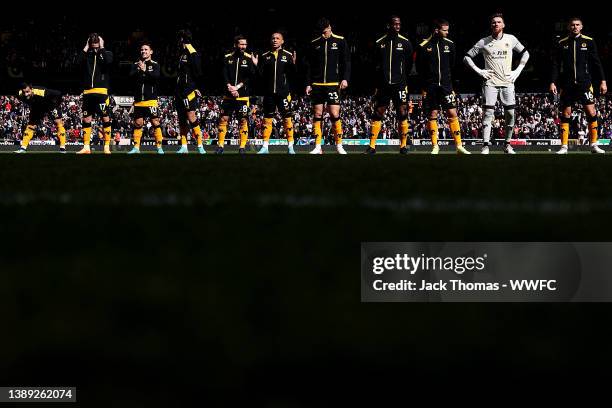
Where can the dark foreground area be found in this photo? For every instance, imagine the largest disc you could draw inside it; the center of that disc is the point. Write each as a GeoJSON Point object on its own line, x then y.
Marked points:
{"type": "Point", "coordinates": [159, 281]}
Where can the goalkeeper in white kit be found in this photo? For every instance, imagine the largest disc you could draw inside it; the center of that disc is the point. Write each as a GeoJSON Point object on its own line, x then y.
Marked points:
{"type": "Point", "coordinates": [497, 50]}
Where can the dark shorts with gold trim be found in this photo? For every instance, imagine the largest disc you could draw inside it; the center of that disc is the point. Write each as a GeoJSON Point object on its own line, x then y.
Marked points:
{"type": "Point", "coordinates": [325, 94]}
{"type": "Point", "coordinates": [436, 97]}
{"type": "Point", "coordinates": [277, 101]}
{"type": "Point", "coordinates": [397, 93]}
{"type": "Point", "coordinates": [96, 104]}
{"type": "Point", "coordinates": [582, 94]}
{"type": "Point", "coordinates": [144, 112]}
{"type": "Point", "coordinates": [239, 106]}
{"type": "Point", "coordinates": [52, 110]}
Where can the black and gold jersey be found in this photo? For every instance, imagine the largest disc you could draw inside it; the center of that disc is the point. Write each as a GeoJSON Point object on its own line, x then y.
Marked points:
{"type": "Point", "coordinates": [189, 72]}
{"type": "Point", "coordinates": [393, 59]}
{"type": "Point", "coordinates": [435, 59]}
{"type": "Point", "coordinates": [238, 68]}
{"type": "Point", "coordinates": [576, 61]}
{"type": "Point", "coordinates": [42, 98]}
{"type": "Point", "coordinates": [275, 67]}
{"type": "Point", "coordinates": [329, 61]}
{"type": "Point", "coordinates": [145, 82]}
{"type": "Point", "coordinates": [96, 66]}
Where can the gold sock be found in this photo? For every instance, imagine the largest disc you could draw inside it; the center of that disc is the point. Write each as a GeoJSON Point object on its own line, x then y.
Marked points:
{"type": "Point", "coordinates": [564, 133]}
{"type": "Point", "coordinates": [198, 134]}
{"type": "Point", "coordinates": [337, 130]}
{"type": "Point", "coordinates": [455, 130]}
{"type": "Point", "coordinates": [403, 132]}
{"type": "Point", "coordinates": [318, 131]}
{"type": "Point", "coordinates": [137, 137]}
{"type": "Point", "coordinates": [183, 140]}
{"type": "Point", "coordinates": [432, 126]}
{"type": "Point", "coordinates": [159, 137]}
{"type": "Point", "coordinates": [593, 131]}
{"type": "Point", "coordinates": [107, 135]}
{"type": "Point", "coordinates": [222, 128]}
{"type": "Point", "coordinates": [376, 126]}
{"type": "Point", "coordinates": [86, 136]}
{"type": "Point", "coordinates": [244, 133]}
{"type": "Point", "coordinates": [267, 132]}
{"type": "Point", "coordinates": [27, 136]}
{"type": "Point", "coordinates": [288, 126]}
{"type": "Point", "coordinates": [61, 135]}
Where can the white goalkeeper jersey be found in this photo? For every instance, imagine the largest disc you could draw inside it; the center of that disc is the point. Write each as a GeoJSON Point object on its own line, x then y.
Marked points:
{"type": "Point", "coordinates": [498, 57]}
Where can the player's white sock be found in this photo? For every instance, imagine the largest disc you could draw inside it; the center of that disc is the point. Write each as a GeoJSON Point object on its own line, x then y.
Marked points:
{"type": "Point", "coordinates": [509, 118]}
{"type": "Point", "coordinates": [290, 144]}
{"type": "Point", "coordinates": [265, 144]}
{"type": "Point", "coordinates": [486, 125]}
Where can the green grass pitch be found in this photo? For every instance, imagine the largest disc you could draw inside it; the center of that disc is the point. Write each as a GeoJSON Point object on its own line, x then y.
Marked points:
{"type": "Point", "coordinates": [232, 265]}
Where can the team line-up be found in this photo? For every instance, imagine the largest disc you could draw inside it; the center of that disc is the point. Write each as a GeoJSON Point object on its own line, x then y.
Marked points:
{"type": "Point", "coordinates": [575, 65]}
